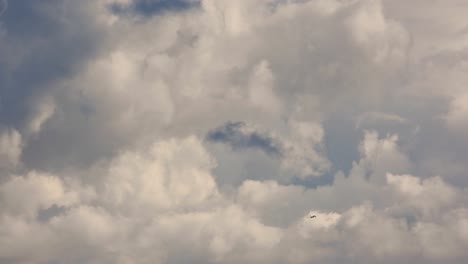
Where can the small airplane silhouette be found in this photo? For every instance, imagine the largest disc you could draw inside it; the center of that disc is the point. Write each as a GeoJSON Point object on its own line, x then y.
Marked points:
{"type": "Point", "coordinates": [312, 216]}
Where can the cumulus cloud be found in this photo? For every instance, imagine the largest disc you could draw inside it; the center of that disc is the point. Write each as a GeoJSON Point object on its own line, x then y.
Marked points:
{"type": "Point", "coordinates": [151, 199]}
{"type": "Point", "coordinates": [156, 131]}
{"type": "Point", "coordinates": [398, 213]}
{"type": "Point", "coordinates": [297, 151]}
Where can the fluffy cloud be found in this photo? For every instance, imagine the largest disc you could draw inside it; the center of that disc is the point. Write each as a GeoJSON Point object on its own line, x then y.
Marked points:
{"type": "Point", "coordinates": [142, 200]}
{"type": "Point", "coordinates": [297, 151]}
{"type": "Point", "coordinates": [400, 223]}
{"type": "Point", "coordinates": [154, 131]}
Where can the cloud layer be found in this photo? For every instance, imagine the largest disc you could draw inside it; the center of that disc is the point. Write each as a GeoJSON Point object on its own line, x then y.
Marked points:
{"type": "Point", "coordinates": [208, 131]}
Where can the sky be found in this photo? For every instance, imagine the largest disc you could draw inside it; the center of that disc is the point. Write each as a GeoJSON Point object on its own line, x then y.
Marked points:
{"type": "Point", "coordinates": [186, 131]}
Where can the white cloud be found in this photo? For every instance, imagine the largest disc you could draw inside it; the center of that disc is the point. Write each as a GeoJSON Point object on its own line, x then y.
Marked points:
{"type": "Point", "coordinates": [303, 153]}
{"type": "Point", "coordinates": [382, 155]}
{"type": "Point", "coordinates": [458, 113]}
{"type": "Point", "coordinates": [150, 198]}
{"type": "Point", "coordinates": [10, 148]}
{"type": "Point", "coordinates": [172, 174]}
{"type": "Point", "coordinates": [44, 111]}
{"type": "Point", "coordinates": [384, 39]}
{"type": "Point", "coordinates": [261, 91]}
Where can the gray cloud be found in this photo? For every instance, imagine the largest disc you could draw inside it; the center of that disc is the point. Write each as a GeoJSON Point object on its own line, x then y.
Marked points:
{"type": "Point", "coordinates": [33, 34]}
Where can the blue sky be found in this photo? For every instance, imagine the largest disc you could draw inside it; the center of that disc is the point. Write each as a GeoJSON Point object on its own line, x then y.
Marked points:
{"type": "Point", "coordinates": [151, 7]}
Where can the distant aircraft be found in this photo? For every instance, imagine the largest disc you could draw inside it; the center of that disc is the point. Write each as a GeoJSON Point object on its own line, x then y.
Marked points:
{"type": "Point", "coordinates": [312, 216]}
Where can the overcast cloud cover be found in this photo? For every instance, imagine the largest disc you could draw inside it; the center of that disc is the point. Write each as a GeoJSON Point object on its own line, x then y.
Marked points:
{"type": "Point", "coordinates": [185, 131]}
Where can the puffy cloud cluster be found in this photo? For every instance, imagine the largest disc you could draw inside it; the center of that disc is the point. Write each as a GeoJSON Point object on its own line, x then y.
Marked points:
{"type": "Point", "coordinates": [161, 131]}
{"type": "Point", "coordinates": [141, 208]}
{"type": "Point", "coordinates": [163, 205]}
{"type": "Point", "coordinates": [298, 151]}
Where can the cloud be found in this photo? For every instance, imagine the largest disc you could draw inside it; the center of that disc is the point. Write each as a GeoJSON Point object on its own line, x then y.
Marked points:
{"type": "Point", "coordinates": [297, 151]}
{"type": "Point", "coordinates": [370, 117]}
{"type": "Point", "coordinates": [135, 187]}
{"type": "Point", "coordinates": [458, 113]}
{"type": "Point", "coordinates": [137, 131]}
{"type": "Point", "coordinates": [44, 191]}
{"type": "Point", "coordinates": [260, 89]}
{"type": "Point", "coordinates": [45, 110]}
{"type": "Point", "coordinates": [11, 148]}
{"type": "Point", "coordinates": [167, 192]}
{"type": "Point", "coordinates": [403, 217]}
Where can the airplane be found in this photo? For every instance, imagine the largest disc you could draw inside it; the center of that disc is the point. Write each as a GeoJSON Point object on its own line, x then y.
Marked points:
{"type": "Point", "coordinates": [312, 216]}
